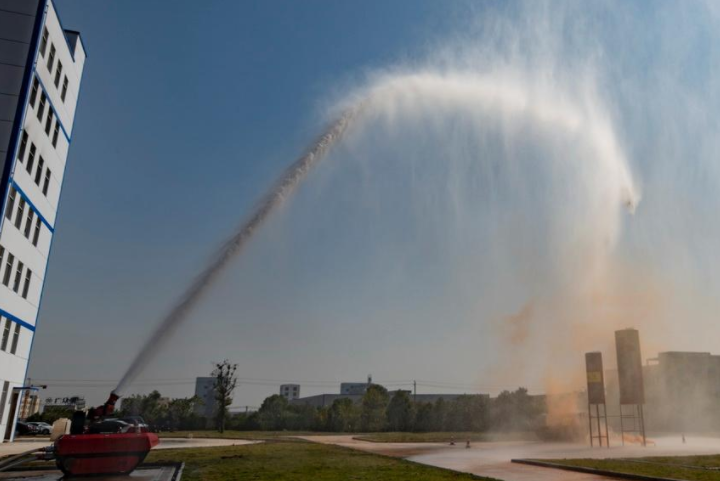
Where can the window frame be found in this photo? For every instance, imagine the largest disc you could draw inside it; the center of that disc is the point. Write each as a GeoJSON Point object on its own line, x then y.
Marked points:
{"type": "Point", "coordinates": [58, 74]}
{"type": "Point", "coordinates": [18, 276]}
{"type": "Point", "coordinates": [23, 145]}
{"type": "Point", "coordinates": [31, 158]}
{"type": "Point", "coordinates": [44, 42]}
{"type": "Point", "coordinates": [26, 285]}
{"type": "Point", "coordinates": [41, 106]}
{"type": "Point", "coordinates": [38, 171]}
{"type": "Point", "coordinates": [12, 196]}
{"type": "Point", "coordinates": [49, 121]}
{"type": "Point", "coordinates": [16, 339]}
{"type": "Point", "coordinates": [8, 269]}
{"type": "Point", "coordinates": [21, 212]}
{"type": "Point", "coordinates": [46, 183]}
{"type": "Point", "coordinates": [29, 217]}
{"type": "Point", "coordinates": [56, 133]}
{"type": "Point", "coordinates": [51, 57]}
{"type": "Point", "coordinates": [36, 234]}
{"type": "Point", "coordinates": [63, 93]}
{"type": "Point", "coordinates": [33, 93]}
{"type": "Point", "coordinates": [5, 334]}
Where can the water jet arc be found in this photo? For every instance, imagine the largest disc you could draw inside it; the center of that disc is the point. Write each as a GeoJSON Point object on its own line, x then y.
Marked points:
{"type": "Point", "coordinates": [283, 188]}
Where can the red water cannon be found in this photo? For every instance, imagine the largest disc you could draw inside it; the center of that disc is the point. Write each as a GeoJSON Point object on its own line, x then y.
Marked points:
{"type": "Point", "coordinates": [104, 410]}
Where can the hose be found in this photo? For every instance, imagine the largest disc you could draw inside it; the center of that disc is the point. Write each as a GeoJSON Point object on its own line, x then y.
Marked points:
{"type": "Point", "coordinates": [22, 458]}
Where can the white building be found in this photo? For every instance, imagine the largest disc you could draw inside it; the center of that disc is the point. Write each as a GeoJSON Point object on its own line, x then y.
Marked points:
{"type": "Point", "coordinates": [290, 391]}
{"type": "Point", "coordinates": [41, 66]}
{"type": "Point", "coordinates": [205, 390]}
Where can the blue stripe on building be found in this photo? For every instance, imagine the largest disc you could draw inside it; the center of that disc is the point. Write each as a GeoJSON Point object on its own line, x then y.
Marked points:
{"type": "Point", "coordinates": [17, 320]}
{"type": "Point", "coordinates": [32, 206]}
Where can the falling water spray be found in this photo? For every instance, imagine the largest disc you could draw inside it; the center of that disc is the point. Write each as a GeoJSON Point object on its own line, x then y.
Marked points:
{"type": "Point", "coordinates": [282, 189]}
{"type": "Point", "coordinates": [491, 97]}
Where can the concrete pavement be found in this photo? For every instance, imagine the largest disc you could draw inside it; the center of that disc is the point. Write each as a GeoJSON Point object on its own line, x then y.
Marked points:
{"type": "Point", "coordinates": [492, 459]}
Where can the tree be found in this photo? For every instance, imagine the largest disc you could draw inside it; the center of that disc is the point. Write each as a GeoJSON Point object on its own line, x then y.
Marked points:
{"type": "Point", "coordinates": [467, 413]}
{"type": "Point", "coordinates": [423, 417]}
{"type": "Point", "coordinates": [439, 415]}
{"type": "Point", "coordinates": [151, 407]}
{"type": "Point", "coordinates": [374, 403]}
{"type": "Point", "coordinates": [181, 413]}
{"type": "Point", "coordinates": [343, 416]}
{"type": "Point", "coordinates": [273, 413]}
{"type": "Point", "coordinates": [225, 383]}
{"type": "Point", "coordinates": [51, 414]}
{"type": "Point", "coordinates": [516, 411]}
{"type": "Point", "coordinates": [400, 412]}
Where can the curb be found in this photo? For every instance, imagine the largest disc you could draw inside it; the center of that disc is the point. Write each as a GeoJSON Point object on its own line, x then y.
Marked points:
{"type": "Point", "coordinates": [599, 472]}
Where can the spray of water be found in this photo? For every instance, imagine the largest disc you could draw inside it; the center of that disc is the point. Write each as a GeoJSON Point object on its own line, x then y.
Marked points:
{"type": "Point", "coordinates": [283, 188]}
{"type": "Point", "coordinates": [487, 97]}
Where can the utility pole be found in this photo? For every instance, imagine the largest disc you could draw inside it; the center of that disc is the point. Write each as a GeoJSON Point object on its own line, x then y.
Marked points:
{"type": "Point", "coordinates": [414, 391]}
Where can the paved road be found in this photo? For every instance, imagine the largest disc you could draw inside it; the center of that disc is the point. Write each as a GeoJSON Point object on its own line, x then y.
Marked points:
{"type": "Point", "coordinates": [493, 458]}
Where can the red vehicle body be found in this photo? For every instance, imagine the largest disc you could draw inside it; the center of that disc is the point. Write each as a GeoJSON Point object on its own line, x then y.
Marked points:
{"type": "Point", "coordinates": [91, 454]}
{"type": "Point", "coordinates": [83, 453]}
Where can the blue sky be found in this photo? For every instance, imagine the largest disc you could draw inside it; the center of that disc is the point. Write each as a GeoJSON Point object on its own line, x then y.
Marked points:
{"type": "Point", "coordinates": [189, 110]}
{"type": "Point", "coordinates": [187, 113]}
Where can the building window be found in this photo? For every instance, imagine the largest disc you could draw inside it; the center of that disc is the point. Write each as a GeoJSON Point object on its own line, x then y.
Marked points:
{"type": "Point", "coordinates": [21, 212]}
{"type": "Point", "coordinates": [11, 203]}
{"type": "Point", "coordinates": [2, 254]}
{"type": "Point", "coordinates": [3, 398]}
{"type": "Point", "coordinates": [8, 269]}
{"type": "Point", "coordinates": [46, 185]}
{"type": "Point", "coordinates": [48, 122]}
{"type": "Point", "coordinates": [43, 44]}
{"type": "Point", "coordinates": [41, 107]}
{"type": "Point", "coordinates": [5, 334]}
{"type": "Point", "coordinates": [31, 158]}
{"type": "Point", "coordinates": [64, 89]}
{"type": "Point", "coordinates": [23, 146]}
{"type": "Point", "coordinates": [36, 235]}
{"type": "Point", "coordinates": [38, 172]}
{"type": "Point", "coordinates": [51, 58]}
{"type": "Point", "coordinates": [58, 74]}
{"type": "Point", "coordinates": [16, 338]}
{"type": "Point", "coordinates": [26, 287]}
{"type": "Point", "coordinates": [18, 276]}
{"type": "Point", "coordinates": [55, 134]}
{"type": "Point", "coordinates": [33, 94]}
{"type": "Point", "coordinates": [28, 222]}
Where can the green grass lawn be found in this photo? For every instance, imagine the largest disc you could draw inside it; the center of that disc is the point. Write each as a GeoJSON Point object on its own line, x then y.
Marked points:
{"type": "Point", "coordinates": [677, 467]}
{"type": "Point", "coordinates": [298, 460]}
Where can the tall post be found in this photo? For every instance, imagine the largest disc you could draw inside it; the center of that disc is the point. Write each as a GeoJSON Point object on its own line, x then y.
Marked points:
{"type": "Point", "coordinates": [590, 424]}
{"type": "Point", "coordinates": [414, 391]}
{"type": "Point", "coordinates": [642, 423]}
{"type": "Point", "coordinates": [607, 431]}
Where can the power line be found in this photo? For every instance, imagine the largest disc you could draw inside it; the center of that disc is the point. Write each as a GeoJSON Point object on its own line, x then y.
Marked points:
{"type": "Point", "coordinates": [456, 386]}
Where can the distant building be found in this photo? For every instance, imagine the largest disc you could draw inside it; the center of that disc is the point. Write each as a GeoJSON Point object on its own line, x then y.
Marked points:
{"type": "Point", "coordinates": [355, 388]}
{"type": "Point", "coordinates": [323, 400]}
{"type": "Point", "coordinates": [205, 390]}
{"type": "Point", "coordinates": [290, 391]}
{"type": "Point", "coordinates": [74, 403]}
{"type": "Point", "coordinates": [682, 391]}
{"type": "Point", "coordinates": [29, 405]}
